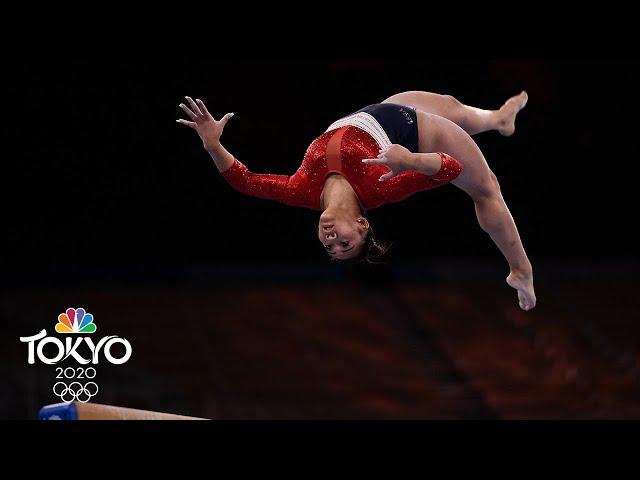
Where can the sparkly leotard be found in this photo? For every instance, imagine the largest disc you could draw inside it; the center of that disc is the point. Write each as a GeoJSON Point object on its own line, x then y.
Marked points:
{"type": "Point", "coordinates": [341, 151]}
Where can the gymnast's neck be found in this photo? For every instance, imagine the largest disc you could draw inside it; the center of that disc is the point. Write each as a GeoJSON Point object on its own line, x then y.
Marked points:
{"type": "Point", "coordinates": [338, 195]}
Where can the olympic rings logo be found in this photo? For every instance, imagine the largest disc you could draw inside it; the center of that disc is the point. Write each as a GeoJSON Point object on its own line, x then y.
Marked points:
{"type": "Point", "coordinates": [75, 391]}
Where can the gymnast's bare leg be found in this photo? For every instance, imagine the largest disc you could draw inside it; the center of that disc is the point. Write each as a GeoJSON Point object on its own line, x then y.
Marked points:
{"type": "Point", "coordinates": [438, 134]}
{"type": "Point", "coordinates": [471, 119]}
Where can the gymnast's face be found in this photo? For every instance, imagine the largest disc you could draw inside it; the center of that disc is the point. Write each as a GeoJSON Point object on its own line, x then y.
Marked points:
{"type": "Point", "coordinates": [343, 238]}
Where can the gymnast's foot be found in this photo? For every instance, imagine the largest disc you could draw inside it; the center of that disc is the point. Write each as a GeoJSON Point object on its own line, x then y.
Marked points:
{"type": "Point", "coordinates": [523, 283]}
{"type": "Point", "coordinates": [507, 114]}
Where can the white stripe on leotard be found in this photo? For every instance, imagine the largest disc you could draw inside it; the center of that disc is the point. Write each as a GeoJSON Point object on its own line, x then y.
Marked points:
{"type": "Point", "coordinates": [366, 122]}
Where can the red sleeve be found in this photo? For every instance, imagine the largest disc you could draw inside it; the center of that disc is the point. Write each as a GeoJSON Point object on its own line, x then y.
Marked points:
{"type": "Point", "coordinates": [411, 182]}
{"type": "Point", "coordinates": [266, 186]}
{"type": "Point", "coordinates": [449, 171]}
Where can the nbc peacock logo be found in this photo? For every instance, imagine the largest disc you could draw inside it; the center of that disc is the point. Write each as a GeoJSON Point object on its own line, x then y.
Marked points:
{"type": "Point", "coordinates": [75, 321]}
{"type": "Point", "coordinates": [76, 324]}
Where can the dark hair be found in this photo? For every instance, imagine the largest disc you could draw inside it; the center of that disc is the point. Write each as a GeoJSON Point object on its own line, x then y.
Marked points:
{"type": "Point", "coordinates": [372, 252]}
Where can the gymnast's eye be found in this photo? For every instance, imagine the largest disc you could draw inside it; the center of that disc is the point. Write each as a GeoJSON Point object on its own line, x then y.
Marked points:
{"type": "Point", "coordinates": [345, 244]}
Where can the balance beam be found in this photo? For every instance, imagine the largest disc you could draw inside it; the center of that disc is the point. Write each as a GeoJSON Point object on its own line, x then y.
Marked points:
{"type": "Point", "coordinates": [93, 411]}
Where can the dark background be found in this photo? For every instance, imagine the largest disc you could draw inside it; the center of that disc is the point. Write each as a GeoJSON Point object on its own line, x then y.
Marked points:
{"type": "Point", "coordinates": [103, 190]}
{"type": "Point", "coordinates": [96, 171]}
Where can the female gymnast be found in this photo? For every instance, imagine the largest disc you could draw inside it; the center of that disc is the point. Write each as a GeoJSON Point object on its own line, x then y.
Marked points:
{"type": "Point", "coordinates": [384, 153]}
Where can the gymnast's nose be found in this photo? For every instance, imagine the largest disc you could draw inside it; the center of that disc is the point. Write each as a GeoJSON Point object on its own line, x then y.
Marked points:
{"type": "Point", "coordinates": [331, 235]}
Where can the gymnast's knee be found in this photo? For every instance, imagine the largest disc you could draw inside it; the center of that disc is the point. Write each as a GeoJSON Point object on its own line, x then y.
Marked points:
{"type": "Point", "coordinates": [487, 189]}
{"type": "Point", "coordinates": [452, 101]}
{"type": "Point", "coordinates": [493, 181]}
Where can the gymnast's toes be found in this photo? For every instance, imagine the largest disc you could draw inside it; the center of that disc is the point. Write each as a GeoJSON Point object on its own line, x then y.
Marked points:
{"type": "Point", "coordinates": [526, 292]}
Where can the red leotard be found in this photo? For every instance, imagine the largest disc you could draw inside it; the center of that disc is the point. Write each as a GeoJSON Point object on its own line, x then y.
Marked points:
{"type": "Point", "coordinates": [303, 188]}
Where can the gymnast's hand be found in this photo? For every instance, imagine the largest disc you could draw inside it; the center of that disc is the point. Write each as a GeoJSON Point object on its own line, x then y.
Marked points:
{"type": "Point", "coordinates": [396, 158]}
{"type": "Point", "coordinates": [209, 129]}
{"type": "Point", "coordinates": [399, 159]}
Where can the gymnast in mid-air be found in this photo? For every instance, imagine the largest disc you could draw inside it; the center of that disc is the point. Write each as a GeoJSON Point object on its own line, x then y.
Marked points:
{"type": "Point", "coordinates": [384, 153]}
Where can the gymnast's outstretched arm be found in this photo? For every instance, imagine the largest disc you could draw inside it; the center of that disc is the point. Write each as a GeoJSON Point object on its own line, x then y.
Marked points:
{"type": "Point", "coordinates": [265, 186]}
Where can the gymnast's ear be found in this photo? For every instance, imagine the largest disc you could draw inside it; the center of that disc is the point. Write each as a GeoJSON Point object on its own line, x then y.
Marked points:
{"type": "Point", "coordinates": [364, 223]}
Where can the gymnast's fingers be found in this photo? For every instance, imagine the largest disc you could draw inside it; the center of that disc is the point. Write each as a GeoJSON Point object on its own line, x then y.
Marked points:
{"type": "Point", "coordinates": [375, 161]}
{"type": "Point", "coordinates": [185, 122]}
{"type": "Point", "coordinates": [194, 107]}
{"type": "Point", "coordinates": [203, 107]}
{"type": "Point", "coordinates": [226, 118]}
{"type": "Point", "coordinates": [387, 176]}
{"type": "Point", "coordinates": [192, 115]}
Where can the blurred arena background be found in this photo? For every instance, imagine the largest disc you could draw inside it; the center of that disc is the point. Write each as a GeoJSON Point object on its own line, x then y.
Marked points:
{"type": "Point", "coordinates": [233, 310]}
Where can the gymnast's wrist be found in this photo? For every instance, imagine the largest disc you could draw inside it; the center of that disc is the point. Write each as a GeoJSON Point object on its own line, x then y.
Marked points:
{"type": "Point", "coordinates": [427, 163]}
{"type": "Point", "coordinates": [213, 148]}
{"type": "Point", "coordinates": [412, 161]}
